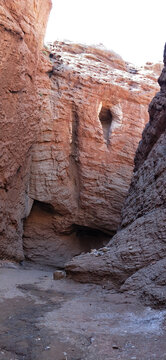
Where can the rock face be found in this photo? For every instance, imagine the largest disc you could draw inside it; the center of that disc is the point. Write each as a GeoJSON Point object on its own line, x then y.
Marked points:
{"type": "Point", "coordinates": [70, 125]}
{"type": "Point", "coordinates": [22, 26]}
{"type": "Point", "coordinates": [137, 252]}
{"type": "Point", "coordinates": [93, 114]}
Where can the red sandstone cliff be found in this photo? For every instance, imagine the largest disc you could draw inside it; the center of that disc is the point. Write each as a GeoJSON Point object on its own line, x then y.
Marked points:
{"type": "Point", "coordinates": [22, 26]}
{"type": "Point", "coordinates": [94, 108]}
{"type": "Point", "coordinates": [135, 257]}
{"type": "Point", "coordinates": [69, 129]}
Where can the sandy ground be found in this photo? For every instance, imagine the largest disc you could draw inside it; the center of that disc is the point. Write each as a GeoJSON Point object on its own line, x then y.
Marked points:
{"type": "Point", "coordinates": [44, 319]}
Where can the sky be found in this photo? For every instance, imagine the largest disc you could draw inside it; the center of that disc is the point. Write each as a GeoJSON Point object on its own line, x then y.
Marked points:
{"type": "Point", "coordinates": [135, 29]}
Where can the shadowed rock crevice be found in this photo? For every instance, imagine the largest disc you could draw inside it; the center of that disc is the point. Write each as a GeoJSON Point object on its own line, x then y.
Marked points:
{"type": "Point", "coordinates": [74, 156]}
{"type": "Point", "coordinates": [91, 238]}
{"type": "Point", "coordinates": [48, 208]}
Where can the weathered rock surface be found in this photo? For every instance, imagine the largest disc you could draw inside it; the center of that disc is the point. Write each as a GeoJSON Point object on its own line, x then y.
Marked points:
{"type": "Point", "coordinates": [142, 239]}
{"type": "Point", "coordinates": [66, 151]}
{"type": "Point", "coordinates": [92, 120]}
{"type": "Point", "coordinates": [22, 26]}
{"type": "Point", "coordinates": [149, 283]}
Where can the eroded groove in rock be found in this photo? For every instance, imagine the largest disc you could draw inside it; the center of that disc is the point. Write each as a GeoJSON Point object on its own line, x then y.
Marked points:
{"type": "Point", "coordinates": [74, 156]}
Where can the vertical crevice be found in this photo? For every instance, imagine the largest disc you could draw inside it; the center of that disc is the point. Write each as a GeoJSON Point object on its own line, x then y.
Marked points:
{"type": "Point", "coordinates": [74, 157]}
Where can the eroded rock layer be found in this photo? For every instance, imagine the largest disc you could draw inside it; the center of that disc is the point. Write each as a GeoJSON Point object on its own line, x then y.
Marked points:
{"type": "Point", "coordinates": [93, 113]}
{"type": "Point", "coordinates": [22, 26]}
{"type": "Point", "coordinates": [135, 257]}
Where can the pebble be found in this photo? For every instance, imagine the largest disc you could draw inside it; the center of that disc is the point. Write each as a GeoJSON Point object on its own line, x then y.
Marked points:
{"type": "Point", "coordinates": [47, 347]}
{"type": "Point", "coordinates": [104, 249]}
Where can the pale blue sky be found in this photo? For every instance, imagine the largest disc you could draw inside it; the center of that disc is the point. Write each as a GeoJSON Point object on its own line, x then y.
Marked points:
{"type": "Point", "coordinates": [136, 29]}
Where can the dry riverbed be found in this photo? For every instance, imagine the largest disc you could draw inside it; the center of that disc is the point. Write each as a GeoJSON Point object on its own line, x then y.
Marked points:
{"type": "Point", "coordinates": [46, 319]}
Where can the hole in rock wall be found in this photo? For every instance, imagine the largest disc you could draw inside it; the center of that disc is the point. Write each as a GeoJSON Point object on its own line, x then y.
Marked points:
{"type": "Point", "coordinates": [90, 238]}
{"type": "Point", "coordinates": [105, 117]}
{"type": "Point", "coordinates": [44, 206]}
{"type": "Point", "coordinates": [46, 242]}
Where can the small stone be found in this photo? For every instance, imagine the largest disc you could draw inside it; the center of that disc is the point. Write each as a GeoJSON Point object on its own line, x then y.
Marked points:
{"type": "Point", "coordinates": [92, 340]}
{"type": "Point", "coordinates": [47, 347]}
{"type": "Point", "coordinates": [59, 274]}
{"type": "Point", "coordinates": [104, 249]}
{"type": "Point", "coordinates": [114, 346]}
{"type": "Point", "coordinates": [93, 251]}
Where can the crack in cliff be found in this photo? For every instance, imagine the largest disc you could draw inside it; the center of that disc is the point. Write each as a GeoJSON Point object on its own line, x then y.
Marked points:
{"type": "Point", "coordinates": [74, 156]}
{"type": "Point", "coordinates": [16, 91]}
{"type": "Point", "coordinates": [12, 31]}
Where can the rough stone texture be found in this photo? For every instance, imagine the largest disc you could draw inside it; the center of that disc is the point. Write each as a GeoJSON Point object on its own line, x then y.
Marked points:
{"type": "Point", "coordinates": [149, 283]}
{"type": "Point", "coordinates": [22, 26]}
{"type": "Point", "coordinates": [92, 119]}
{"type": "Point", "coordinates": [142, 240]}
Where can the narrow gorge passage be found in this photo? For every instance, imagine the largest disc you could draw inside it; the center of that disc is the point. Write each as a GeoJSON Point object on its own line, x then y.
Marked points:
{"type": "Point", "coordinates": [71, 118]}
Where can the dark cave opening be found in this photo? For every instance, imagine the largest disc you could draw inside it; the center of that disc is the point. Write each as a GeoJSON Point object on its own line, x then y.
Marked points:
{"type": "Point", "coordinates": [44, 206]}
{"type": "Point", "coordinates": [105, 117]}
{"type": "Point", "coordinates": [44, 242]}
{"type": "Point", "coordinates": [91, 238]}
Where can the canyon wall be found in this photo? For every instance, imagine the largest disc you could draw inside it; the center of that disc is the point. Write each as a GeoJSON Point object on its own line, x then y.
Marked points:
{"type": "Point", "coordinates": [94, 109]}
{"type": "Point", "coordinates": [135, 259]}
{"type": "Point", "coordinates": [71, 118]}
{"type": "Point", "coordinates": [22, 27]}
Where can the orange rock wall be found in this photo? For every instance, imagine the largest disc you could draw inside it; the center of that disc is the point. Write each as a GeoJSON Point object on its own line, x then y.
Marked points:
{"type": "Point", "coordinates": [65, 167]}
{"type": "Point", "coordinates": [22, 26]}
{"type": "Point", "coordinates": [80, 174]}
{"type": "Point", "coordinates": [135, 258]}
